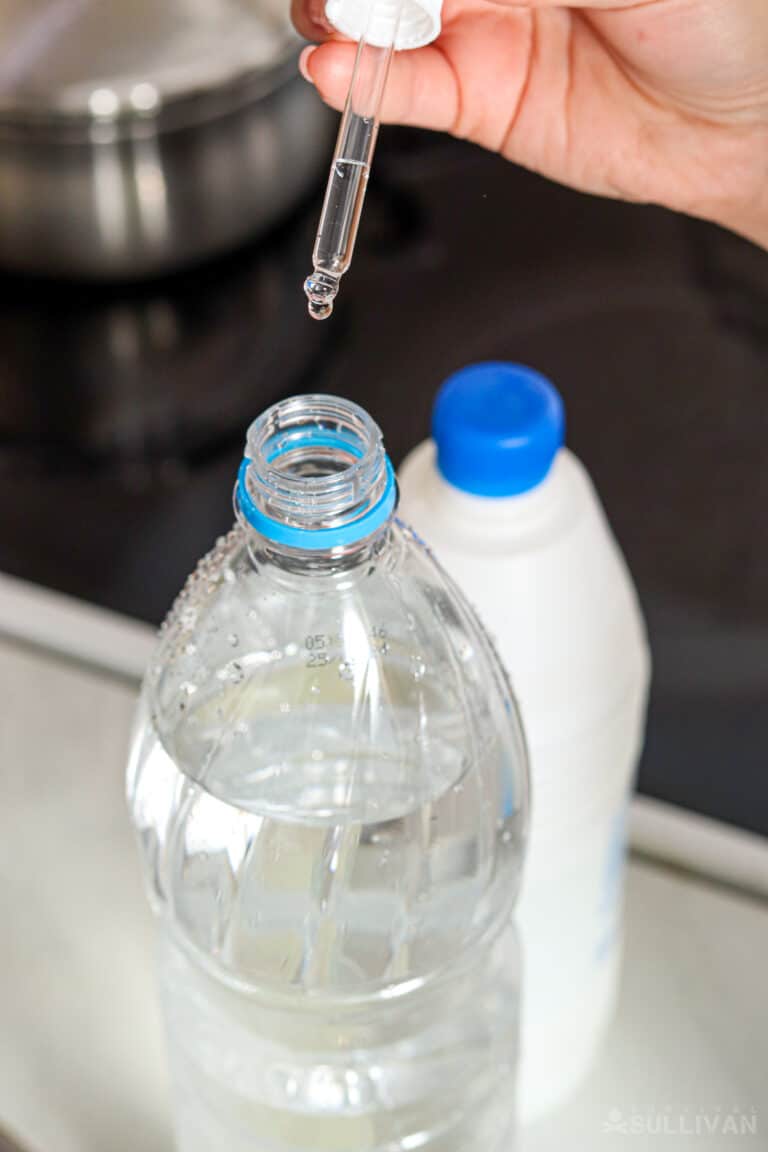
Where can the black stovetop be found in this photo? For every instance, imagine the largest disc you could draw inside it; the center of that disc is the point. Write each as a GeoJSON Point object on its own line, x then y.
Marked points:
{"type": "Point", "coordinates": [123, 410]}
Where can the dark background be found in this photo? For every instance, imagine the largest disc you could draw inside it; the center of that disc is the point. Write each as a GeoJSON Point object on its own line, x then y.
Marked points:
{"type": "Point", "coordinates": [123, 410]}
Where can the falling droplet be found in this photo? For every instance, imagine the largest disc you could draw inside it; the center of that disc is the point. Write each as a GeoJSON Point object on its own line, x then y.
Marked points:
{"type": "Point", "coordinates": [418, 668]}
{"type": "Point", "coordinates": [465, 652]}
{"type": "Point", "coordinates": [314, 688]}
{"type": "Point", "coordinates": [233, 639]}
{"type": "Point", "coordinates": [345, 670]}
{"type": "Point", "coordinates": [285, 706]}
{"type": "Point", "coordinates": [190, 649]}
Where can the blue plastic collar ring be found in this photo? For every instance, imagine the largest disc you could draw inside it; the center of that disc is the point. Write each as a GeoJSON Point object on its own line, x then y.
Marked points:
{"type": "Point", "coordinates": [316, 539]}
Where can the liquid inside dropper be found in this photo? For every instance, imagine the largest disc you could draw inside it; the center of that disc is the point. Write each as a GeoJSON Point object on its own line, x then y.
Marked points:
{"type": "Point", "coordinates": [348, 177]}
{"type": "Point", "coordinates": [338, 228]}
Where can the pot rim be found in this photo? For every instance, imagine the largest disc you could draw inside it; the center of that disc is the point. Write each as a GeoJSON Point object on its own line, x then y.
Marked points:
{"type": "Point", "coordinates": [185, 109]}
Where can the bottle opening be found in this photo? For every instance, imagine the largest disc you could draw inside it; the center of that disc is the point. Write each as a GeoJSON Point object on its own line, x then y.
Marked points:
{"type": "Point", "coordinates": [314, 462]}
{"type": "Point", "coordinates": [315, 474]}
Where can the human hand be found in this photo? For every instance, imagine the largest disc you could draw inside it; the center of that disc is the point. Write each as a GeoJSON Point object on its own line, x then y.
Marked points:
{"type": "Point", "coordinates": [661, 101]}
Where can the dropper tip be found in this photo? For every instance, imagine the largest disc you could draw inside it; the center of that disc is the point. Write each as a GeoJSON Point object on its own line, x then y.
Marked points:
{"type": "Point", "coordinates": [319, 310]}
{"type": "Point", "coordinates": [320, 289]}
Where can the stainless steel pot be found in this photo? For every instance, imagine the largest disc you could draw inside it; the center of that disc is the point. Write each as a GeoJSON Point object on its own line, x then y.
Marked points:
{"type": "Point", "coordinates": [137, 136]}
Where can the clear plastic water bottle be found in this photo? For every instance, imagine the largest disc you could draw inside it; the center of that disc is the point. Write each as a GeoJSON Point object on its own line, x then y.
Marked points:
{"type": "Point", "coordinates": [328, 782]}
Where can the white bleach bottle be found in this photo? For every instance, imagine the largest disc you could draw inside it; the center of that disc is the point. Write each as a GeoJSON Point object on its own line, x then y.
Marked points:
{"type": "Point", "coordinates": [513, 517]}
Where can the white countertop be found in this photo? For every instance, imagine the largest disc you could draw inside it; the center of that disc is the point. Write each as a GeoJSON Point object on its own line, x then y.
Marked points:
{"type": "Point", "coordinates": [81, 1066]}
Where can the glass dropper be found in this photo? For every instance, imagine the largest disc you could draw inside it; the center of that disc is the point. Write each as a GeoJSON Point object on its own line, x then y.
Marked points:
{"type": "Point", "coordinates": [351, 165]}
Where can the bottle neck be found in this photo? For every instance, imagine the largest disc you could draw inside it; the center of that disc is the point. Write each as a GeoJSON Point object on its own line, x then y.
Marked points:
{"type": "Point", "coordinates": [315, 487]}
{"type": "Point", "coordinates": [338, 564]}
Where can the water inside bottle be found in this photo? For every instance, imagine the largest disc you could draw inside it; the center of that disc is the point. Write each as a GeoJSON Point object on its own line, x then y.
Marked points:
{"type": "Point", "coordinates": [253, 1074]}
{"type": "Point", "coordinates": [288, 872]}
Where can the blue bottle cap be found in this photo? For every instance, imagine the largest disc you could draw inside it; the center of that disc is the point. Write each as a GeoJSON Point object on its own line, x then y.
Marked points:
{"type": "Point", "coordinates": [498, 428]}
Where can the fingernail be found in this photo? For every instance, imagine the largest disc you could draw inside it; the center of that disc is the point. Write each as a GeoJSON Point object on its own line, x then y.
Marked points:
{"type": "Point", "coordinates": [304, 62]}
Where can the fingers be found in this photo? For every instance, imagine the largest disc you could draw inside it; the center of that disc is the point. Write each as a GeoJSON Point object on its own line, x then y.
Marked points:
{"type": "Point", "coordinates": [421, 90]}
{"type": "Point", "coordinates": [584, 3]}
{"type": "Point", "coordinates": [308, 17]}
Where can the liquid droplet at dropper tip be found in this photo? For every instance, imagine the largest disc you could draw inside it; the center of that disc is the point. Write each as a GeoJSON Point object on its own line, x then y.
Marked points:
{"type": "Point", "coordinates": [318, 310]}
{"type": "Point", "coordinates": [321, 291]}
